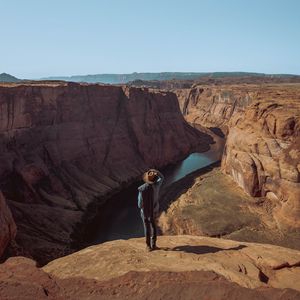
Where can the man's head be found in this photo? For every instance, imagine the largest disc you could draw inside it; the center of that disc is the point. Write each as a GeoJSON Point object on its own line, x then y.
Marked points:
{"type": "Point", "coordinates": [150, 176]}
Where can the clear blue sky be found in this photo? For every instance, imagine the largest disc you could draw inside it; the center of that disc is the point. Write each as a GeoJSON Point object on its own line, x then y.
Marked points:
{"type": "Point", "coordinates": [67, 37]}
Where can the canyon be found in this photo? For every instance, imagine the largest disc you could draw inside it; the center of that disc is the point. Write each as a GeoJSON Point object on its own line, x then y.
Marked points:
{"type": "Point", "coordinates": [66, 147]}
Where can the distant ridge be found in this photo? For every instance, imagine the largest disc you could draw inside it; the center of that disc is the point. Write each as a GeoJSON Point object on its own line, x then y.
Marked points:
{"type": "Point", "coordinates": [4, 77]}
{"type": "Point", "coordinates": [125, 78]}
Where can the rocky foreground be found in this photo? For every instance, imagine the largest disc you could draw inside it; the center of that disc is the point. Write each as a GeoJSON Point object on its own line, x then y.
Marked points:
{"type": "Point", "coordinates": [185, 267]}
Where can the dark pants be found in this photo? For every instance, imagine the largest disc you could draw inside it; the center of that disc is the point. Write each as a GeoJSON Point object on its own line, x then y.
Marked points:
{"type": "Point", "coordinates": [150, 231]}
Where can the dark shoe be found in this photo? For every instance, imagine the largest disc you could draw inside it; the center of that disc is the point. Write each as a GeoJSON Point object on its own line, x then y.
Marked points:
{"type": "Point", "coordinates": [154, 247]}
{"type": "Point", "coordinates": [153, 243]}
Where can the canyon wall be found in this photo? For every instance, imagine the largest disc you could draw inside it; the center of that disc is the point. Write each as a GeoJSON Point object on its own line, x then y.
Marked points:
{"type": "Point", "coordinates": [262, 124]}
{"type": "Point", "coordinates": [262, 154]}
{"type": "Point", "coordinates": [67, 146]}
{"type": "Point", "coordinates": [213, 106]}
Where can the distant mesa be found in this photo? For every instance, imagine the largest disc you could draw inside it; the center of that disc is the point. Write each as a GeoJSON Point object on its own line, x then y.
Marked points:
{"type": "Point", "coordinates": [166, 79]}
{"type": "Point", "coordinates": [126, 78]}
{"type": "Point", "coordinates": [4, 77]}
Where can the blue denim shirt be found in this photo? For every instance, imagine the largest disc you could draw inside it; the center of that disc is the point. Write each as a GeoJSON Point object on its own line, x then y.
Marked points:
{"type": "Point", "coordinates": [156, 189]}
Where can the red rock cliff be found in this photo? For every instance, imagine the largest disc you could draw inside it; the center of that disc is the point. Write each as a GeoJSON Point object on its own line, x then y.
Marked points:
{"type": "Point", "coordinates": [64, 146]}
{"type": "Point", "coordinates": [213, 106]}
{"type": "Point", "coordinates": [262, 154]}
{"type": "Point", "coordinates": [262, 150]}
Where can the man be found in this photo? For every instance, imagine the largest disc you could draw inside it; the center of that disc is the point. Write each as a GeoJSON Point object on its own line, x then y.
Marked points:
{"type": "Point", "coordinates": [148, 202]}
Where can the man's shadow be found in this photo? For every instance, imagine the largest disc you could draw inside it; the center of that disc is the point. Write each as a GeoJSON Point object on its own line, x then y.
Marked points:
{"type": "Point", "coordinates": [200, 249]}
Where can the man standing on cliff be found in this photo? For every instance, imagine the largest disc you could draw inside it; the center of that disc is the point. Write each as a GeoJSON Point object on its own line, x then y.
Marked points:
{"type": "Point", "coordinates": [148, 202]}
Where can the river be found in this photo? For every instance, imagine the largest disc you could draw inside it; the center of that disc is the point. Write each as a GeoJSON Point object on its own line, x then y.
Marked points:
{"type": "Point", "coordinates": [120, 217]}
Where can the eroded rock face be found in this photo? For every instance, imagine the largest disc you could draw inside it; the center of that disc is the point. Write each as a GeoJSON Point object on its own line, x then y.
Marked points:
{"type": "Point", "coordinates": [65, 146]}
{"type": "Point", "coordinates": [7, 225]}
{"type": "Point", "coordinates": [262, 154]}
{"type": "Point", "coordinates": [214, 105]}
{"type": "Point", "coordinates": [211, 106]}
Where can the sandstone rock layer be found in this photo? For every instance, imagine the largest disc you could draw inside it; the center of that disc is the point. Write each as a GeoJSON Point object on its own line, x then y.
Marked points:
{"type": "Point", "coordinates": [262, 154]}
{"type": "Point", "coordinates": [21, 279]}
{"type": "Point", "coordinates": [262, 124]}
{"type": "Point", "coordinates": [214, 105]}
{"type": "Point", "coordinates": [185, 267]}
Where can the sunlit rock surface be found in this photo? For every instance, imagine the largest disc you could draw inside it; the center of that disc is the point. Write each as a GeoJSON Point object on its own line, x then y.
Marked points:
{"type": "Point", "coordinates": [239, 262]}
{"type": "Point", "coordinates": [262, 154]}
{"type": "Point", "coordinates": [185, 267]}
{"type": "Point", "coordinates": [249, 265]}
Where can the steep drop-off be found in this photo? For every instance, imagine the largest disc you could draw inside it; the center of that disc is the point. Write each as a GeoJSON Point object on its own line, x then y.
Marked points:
{"type": "Point", "coordinates": [66, 146]}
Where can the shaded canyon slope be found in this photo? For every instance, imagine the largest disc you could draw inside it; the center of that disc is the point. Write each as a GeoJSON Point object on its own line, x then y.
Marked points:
{"type": "Point", "coordinates": [65, 146]}
{"type": "Point", "coordinates": [185, 267]}
{"type": "Point", "coordinates": [7, 225]}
